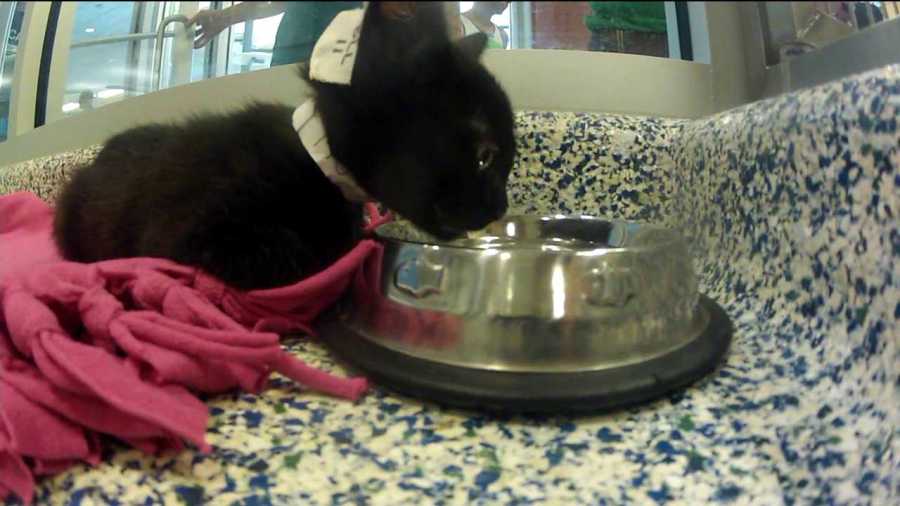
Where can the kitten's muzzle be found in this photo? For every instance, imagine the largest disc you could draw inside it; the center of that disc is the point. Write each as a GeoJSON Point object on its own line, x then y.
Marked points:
{"type": "Point", "coordinates": [455, 222]}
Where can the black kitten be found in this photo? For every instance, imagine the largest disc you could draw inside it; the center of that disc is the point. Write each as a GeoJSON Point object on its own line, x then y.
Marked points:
{"type": "Point", "coordinates": [424, 129]}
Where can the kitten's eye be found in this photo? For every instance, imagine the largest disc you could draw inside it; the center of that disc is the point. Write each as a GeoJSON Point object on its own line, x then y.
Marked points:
{"type": "Point", "coordinates": [485, 156]}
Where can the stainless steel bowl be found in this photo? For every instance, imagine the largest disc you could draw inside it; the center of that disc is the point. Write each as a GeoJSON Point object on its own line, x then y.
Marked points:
{"type": "Point", "coordinates": [537, 298]}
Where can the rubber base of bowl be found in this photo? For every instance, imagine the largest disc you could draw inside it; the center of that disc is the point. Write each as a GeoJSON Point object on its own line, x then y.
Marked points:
{"type": "Point", "coordinates": [535, 392]}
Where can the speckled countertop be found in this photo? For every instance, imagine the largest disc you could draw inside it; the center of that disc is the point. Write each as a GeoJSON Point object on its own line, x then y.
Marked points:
{"type": "Point", "coordinates": [791, 205]}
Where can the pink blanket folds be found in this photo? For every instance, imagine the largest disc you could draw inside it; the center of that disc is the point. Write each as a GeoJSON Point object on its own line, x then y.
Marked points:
{"type": "Point", "coordinates": [119, 347]}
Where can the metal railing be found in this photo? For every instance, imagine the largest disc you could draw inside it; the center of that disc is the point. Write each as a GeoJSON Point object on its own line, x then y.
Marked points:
{"type": "Point", "coordinates": [131, 37]}
{"type": "Point", "coordinates": [159, 36]}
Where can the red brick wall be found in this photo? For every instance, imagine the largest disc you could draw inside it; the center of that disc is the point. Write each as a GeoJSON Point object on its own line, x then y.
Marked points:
{"type": "Point", "coordinates": [560, 25]}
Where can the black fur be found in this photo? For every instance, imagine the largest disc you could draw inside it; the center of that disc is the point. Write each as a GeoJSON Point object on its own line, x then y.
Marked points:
{"type": "Point", "coordinates": [238, 196]}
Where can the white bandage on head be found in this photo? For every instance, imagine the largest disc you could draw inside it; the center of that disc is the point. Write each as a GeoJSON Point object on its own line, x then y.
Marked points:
{"type": "Point", "coordinates": [332, 61]}
{"type": "Point", "coordinates": [334, 54]}
{"type": "Point", "coordinates": [309, 127]}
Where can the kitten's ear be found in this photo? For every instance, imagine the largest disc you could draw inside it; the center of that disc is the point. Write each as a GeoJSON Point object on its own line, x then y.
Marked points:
{"type": "Point", "coordinates": [393, 35]}
{"type": "Point", "coordinates": [473, 45]}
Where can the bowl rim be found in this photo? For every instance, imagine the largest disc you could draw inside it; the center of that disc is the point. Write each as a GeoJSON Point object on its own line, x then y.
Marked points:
{"type": "Point", "coordinates": [510, 246]}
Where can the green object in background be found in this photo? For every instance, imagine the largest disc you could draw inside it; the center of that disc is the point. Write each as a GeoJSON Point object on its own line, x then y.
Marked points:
{"type": "Point", "coordinates": [493, 43]}
{"type": "Point", "coordinates": [300, 28]}
{"type": "Point", "coordinates": [629, 16]}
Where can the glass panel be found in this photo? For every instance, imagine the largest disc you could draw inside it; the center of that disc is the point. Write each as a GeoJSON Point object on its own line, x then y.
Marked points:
{"type": "Point", "coordinates": [250, 44]}
{"type": "Point", "coordinates": [11, 15]}
{"type": "Point", "coordinates": [263, 34]}
{"type": "Point", "coordinates": [617, 27]}
{"type": "Point", "coordinates": [819, 24]}
{"type": "Point", "coordinates": [794, 28]}
{"type": "Point", "coordinates": [102, 19]}
{"type": "Point", "coordinates": [492, 18]}
{"type": "Point", "coordinates": [113, 44]}
{"type": "Point", "coordinates": [111, 54]}
{"type": "Point", "coordinates": [202, 57]}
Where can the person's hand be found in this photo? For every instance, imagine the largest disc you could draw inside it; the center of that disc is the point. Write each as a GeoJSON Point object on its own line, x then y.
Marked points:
{"type": "Point", "coordinates": [211, 22]}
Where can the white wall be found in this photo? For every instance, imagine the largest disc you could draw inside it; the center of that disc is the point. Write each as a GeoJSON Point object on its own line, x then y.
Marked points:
{"type": "Point", "coordinates": [602, 82]}
{"type": "Point", "coordinates": [725, 37]}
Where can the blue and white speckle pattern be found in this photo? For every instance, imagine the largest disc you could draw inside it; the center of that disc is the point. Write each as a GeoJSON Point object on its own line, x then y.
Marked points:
{"type": "Point", "coordinates": [587, 163]}
{"type": "Point", "coordinates": [792, 206]}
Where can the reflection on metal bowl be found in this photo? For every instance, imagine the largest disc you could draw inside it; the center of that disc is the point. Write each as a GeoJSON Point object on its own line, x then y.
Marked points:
{"type": "Point", "coordinates": [528, 305]}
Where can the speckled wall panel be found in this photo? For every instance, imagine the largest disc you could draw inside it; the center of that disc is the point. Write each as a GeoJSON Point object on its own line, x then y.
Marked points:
{"type": "Point", "coordinates": [602, 165]}
{"type": "Point", "coordinates": [792, 206]}
{"type": "Point", "coordinates": [44, 176]}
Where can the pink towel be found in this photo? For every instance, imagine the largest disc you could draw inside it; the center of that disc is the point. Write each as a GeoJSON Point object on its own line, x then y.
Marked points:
{"type": "Point", "coordinates": [117, 347]}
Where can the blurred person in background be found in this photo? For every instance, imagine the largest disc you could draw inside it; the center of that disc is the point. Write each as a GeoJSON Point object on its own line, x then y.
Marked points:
{"type": "Point", "coordinates": [300, 28]}
{"type": "Point", "coordinates": [478, 19]}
